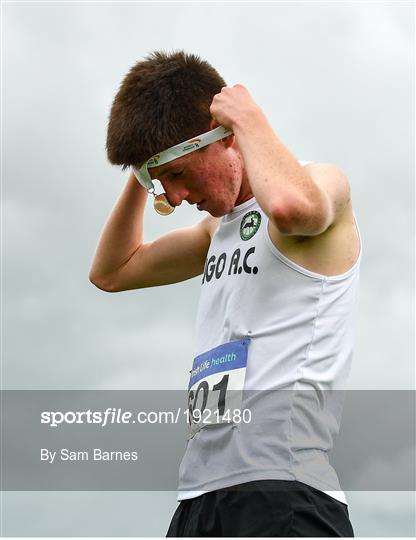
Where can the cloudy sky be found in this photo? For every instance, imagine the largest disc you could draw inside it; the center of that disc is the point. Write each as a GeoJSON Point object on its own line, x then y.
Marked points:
{"type": "Point", "coordinates": [336, 81]}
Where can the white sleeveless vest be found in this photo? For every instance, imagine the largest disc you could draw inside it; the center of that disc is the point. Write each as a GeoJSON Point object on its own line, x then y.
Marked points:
{"type": "Point", "coordinates": [301, 330]}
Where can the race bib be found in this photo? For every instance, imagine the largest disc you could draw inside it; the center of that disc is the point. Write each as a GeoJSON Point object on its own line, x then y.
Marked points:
{"type": "Point", "coordinates": [216, 385]}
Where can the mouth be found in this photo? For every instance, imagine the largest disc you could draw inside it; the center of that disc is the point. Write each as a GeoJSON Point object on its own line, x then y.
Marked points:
{"type": "Point", "coordinates": [200, 204]}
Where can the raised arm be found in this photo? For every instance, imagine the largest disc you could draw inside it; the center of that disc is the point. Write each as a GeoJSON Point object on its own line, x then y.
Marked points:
{"type": "Point", "coordinates": [123, 261]}
{"type": "Point", "coordinates": [299, 201]}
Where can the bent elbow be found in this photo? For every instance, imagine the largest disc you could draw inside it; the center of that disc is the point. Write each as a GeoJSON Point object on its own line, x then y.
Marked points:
{"type": "Point", "coordinates": [301, 220]}
{"type": "Point", "coordinates": [106, 285]}
{"type": "Point", "coordinates": [284, 218]}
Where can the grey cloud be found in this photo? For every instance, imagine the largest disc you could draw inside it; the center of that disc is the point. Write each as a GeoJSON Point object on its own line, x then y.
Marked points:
{"type": "Point", "coordinates": [337, 83]}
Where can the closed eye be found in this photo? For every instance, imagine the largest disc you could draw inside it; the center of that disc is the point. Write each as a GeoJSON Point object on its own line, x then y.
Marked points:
{"type": "Point", "coordinates": [176, 174]}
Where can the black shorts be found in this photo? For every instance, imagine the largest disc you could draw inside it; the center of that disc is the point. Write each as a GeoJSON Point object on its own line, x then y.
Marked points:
{"type": "Point", "coordinates": [262, 508]}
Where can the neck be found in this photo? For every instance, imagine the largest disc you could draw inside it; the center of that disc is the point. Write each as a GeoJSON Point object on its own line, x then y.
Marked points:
{"type": "Point", "coordinates": [245, 190]}
{"type": "Point", "coordinates": [245, 193]}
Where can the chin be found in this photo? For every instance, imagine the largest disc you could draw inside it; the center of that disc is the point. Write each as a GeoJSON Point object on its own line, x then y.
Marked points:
{"type": "Point", "coordinates": [221, 209]}
{"type": "Point", "coordinates": [219, 212]}
{"type": "Point", "coordinates": [215, 213]}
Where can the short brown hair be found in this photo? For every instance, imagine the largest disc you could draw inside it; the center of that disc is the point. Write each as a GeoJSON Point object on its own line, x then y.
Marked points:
{"type": "Point", "coordinates": [162, 101]}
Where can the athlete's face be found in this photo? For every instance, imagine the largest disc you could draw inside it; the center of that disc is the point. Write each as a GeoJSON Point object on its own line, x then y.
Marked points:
{"type": "Point", "coordinates": [213, 178]}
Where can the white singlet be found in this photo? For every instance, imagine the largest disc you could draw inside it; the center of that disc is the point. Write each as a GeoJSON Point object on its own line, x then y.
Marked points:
{"type": "Point", "coordinates": [299, 326]}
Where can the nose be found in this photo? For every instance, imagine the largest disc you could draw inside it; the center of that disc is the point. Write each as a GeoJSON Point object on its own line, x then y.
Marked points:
{"type": "Point", "coordinates": [175, 193]}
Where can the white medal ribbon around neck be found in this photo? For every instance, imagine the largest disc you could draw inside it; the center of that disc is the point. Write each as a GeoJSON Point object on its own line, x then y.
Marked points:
{"type": "Point", "coordinates": [161, 204]}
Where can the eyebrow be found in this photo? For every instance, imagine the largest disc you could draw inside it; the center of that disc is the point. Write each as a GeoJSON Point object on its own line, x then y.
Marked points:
{"type": "Point", "coordinates": [167, 168]}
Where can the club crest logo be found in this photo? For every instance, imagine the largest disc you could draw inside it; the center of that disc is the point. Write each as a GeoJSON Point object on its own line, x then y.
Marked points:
{"type": "Point", "coordinates": [250, 225]}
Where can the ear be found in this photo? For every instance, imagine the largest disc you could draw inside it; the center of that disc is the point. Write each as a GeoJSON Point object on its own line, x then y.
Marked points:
{"type": "Point", "coordinates": [227, 141]}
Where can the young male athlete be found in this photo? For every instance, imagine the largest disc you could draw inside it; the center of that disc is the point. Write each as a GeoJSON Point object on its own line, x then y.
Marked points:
{"type": "Point", "coordinates": [279, 252]}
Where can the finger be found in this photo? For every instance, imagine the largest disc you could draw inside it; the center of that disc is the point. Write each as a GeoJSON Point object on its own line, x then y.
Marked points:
{"type": "Point", "coordinates": [214, 124]}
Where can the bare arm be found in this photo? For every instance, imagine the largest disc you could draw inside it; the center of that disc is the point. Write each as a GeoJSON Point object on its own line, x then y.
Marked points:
{"type": "Point", "coordinates": [122, 261]}
{"type": "Point", "coordinates": [298, 200]}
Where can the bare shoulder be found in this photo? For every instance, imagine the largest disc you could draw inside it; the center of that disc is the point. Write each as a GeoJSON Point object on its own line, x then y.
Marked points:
{"type": "Point", "coordinates": [209, 224]}
{"type": "Point", "coordinates": [335, 250]}
{"type": "Point", "coordinates": [335, 184]}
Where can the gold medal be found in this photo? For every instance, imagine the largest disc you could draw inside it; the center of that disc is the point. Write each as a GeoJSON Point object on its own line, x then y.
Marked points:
{"type": "Point", "coordinates": [162, 205]}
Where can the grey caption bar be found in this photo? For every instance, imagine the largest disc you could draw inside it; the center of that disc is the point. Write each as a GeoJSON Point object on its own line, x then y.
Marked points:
{"type": "Point", "coordinates": [135, 440]}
